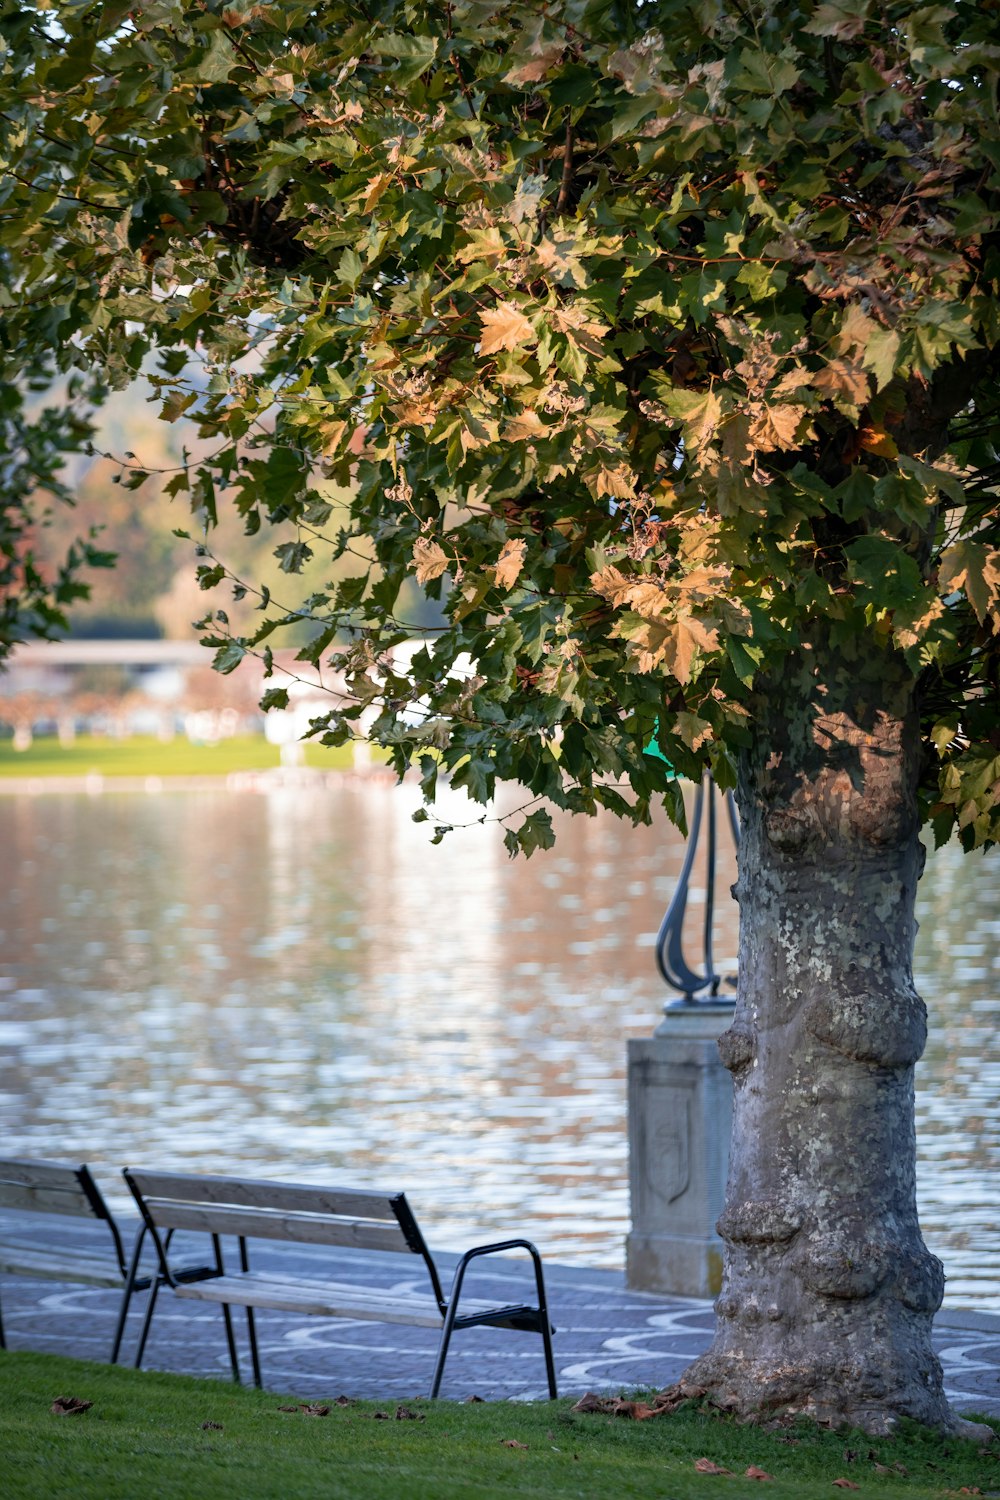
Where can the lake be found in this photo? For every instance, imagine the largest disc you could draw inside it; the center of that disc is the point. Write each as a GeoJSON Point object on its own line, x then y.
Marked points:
{"type": "Point", "coordinates": [288, 980]}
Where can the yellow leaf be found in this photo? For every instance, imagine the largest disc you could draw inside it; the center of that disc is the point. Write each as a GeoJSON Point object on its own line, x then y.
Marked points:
{"type": "Point", "coordinates": [612, 584]}
{"type": "Point", "coordinates": [875, 440]}
{"type": "Point", "coordinates": [374, 188]}
{"type": "Point", "coordinates": [585, 332]}
{"type": "Point", "coordinates": [525, 426]}
{"type": "Point", "coordinates": [844, 378]}
{"type": "Point", "coordinates": [974, 567]}
{"type": "Point", "coordinates": [505, 327]}
{"type": "Point", "coordinates": [510, 563]}
{"type": "Point", "coordinates": [856, 329]}
{"type": "Point", "coordinates": [536, 67]}
{"type": "Point", "coordinates": [483, 244]}
{"type": "Point", "coordinates": [701, 420]}
{"type": "Point", "coordinates": [671, 643]}
{"type": "Point", "coordinates": [691, 635]}
{"type": "Point", "coordinates": [429, 558]}
{"type": "Point", "coordinates": [692, 730]}
{"type": "Point", "coordinates": [910, 626]}
{"type": "Point", "coordinates": [775, 427]}
{"type": "Point", "coordinates": [619, 482]}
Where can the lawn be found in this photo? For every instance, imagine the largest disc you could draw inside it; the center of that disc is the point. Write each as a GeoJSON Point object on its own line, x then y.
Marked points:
{"type": "Point", "coordinates": [144, 755]}
{"type": "Point", "coordinates": [148, 1434]}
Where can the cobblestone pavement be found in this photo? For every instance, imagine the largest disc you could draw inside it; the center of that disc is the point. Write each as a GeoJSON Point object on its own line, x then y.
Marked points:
{"type": "Point", "coordinates": [608, 1337]}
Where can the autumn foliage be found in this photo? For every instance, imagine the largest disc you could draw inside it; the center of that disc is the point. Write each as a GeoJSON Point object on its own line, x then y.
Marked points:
{"type": "Point", "coordinates": [646, 337]}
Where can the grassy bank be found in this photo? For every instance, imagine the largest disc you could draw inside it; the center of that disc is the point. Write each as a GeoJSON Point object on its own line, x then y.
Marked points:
{"type": "Point", "coordinates": [173, 1437]}
{"type": "Point", "coordinates": [146, 756]}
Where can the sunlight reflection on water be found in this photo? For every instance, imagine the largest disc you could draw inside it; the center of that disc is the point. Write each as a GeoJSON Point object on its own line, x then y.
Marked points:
{"type": "Point", "coordinates": [297, 984]}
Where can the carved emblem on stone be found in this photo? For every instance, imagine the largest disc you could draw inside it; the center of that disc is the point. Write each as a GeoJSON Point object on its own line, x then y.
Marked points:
{"type": "Point", "coordinates": [670, 1159]}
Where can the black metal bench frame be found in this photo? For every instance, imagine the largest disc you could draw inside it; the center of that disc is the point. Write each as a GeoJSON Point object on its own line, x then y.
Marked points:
{"type": "Point", "coordinates": [301, 1213]}
{"type": "Point", "coordinates": [58, 1188]}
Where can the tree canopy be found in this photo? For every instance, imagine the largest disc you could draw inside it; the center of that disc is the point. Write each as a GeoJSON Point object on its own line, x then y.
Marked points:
{"type": "Point", "coordinates": [646, 336]}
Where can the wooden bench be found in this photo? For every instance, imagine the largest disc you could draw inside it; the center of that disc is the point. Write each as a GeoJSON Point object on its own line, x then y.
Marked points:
{"type": "Point", "coordinates": [58, 1190]}
{"type": "Point", "coordinates": [304, 1214]}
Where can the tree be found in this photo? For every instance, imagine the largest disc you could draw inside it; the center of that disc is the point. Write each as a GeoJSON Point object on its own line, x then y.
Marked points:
{"type": "Point", "coordinates": [38, 582]}
{"type": "Point", "coordinates": [658, 342]}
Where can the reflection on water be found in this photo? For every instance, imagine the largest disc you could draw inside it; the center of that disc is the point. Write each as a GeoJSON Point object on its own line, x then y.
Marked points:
{"type": "Point", "coordinates": [296, 983]}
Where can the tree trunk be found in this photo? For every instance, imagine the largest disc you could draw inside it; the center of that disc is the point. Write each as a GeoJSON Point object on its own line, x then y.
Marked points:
{"type": "Point", "coordinates": [828, 1291]}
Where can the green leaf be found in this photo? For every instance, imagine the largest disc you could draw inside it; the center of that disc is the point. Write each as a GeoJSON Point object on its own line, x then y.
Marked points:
{"type": "Point", "coordinates": [412, 55]}
{"type": "Point", "coordinates": [228, 657]}
{"type": "Point", "coordinates": [216, 64]}
{"type": "Point", "coordinates": [763, 73]}
{"type": "Point", "coordinates": [274, 698]}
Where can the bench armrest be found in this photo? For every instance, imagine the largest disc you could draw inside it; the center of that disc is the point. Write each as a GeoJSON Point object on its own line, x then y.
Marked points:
{"type": "Point", "coordinates": [521, 1316]}
{"type": "Point", "coordinates": [497, 1248]}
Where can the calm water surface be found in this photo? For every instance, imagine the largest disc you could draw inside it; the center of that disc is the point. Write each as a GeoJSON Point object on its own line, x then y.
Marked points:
{"type": "Point", "coordinates": [295, 983]}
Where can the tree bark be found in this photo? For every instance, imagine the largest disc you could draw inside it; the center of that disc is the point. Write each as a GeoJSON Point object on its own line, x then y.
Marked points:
{"type": "Point", "coordinates": [828, 1291]}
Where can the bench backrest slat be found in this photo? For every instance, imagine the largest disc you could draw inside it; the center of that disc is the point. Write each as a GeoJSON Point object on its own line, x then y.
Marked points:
{"type": "Point", "coordinates": [274, 1197]}
{"type": "Point", "coordinates": [276, 1224]}
{"type": "Point", "coordinates": [50, 1187]}
{"type": "Point", "coordinates": [356, 1218]}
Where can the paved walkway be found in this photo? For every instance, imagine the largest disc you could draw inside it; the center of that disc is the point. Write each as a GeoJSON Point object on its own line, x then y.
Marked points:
{"type": "Point", "coordinates": [608, 1337]}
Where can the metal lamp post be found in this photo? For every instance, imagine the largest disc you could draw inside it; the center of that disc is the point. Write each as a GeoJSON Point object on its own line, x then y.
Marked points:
{"type": "Point", "coordinates": [680, 1096]}
{"type": "Point", "coordinates": [670, 959]}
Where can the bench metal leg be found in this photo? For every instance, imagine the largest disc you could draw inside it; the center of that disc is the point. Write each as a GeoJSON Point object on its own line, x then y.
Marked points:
{"type": "Point", "coordinates": [254, 1354]}
{"type": "Point", "coordinates": [147, 1320]}
{"type": "Point", "coordinates": [133, 1273]}
{"type": "Point", "coordinates": [442, 1354]}
{"type": "Point", "coordinates": [542, 1323]}
{"type": "Point", "coordinates": [227, 1313]}
{"type": "Point", "coordinates": [251, 1324]}
{"type": "Point", "coordinates": [545, 1324]}
{"type": "Point", "coordinates": [231, 1341]}
{"type": "Point", "coordinates": [3, 1341]}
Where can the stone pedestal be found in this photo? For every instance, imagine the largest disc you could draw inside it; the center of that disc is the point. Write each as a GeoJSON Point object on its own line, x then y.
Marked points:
{"type": "Point", "coordinates": [680, 1107]}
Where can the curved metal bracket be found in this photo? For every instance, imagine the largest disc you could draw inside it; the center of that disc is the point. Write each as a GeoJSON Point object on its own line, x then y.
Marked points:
{"type": "Point", "coordinates": [670, 960]}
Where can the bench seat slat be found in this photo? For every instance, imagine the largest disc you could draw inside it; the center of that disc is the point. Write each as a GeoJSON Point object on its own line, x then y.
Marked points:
{"type": "Point", "coordinates": [305, 1297]}
{"type": "Point", "coordinates": [330, 1299]}
{"type": "Point", "coordinates": [363, 1234]}
{"type": "Point", "coordinates": [336, 1298]}
{"type": "Point", "coordinates": [354, 1203]}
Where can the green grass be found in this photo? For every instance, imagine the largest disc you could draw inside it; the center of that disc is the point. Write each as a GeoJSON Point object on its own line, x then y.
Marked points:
{"type": "Point", "coordinates": [146, 756]}
{"type": "Point", "coordinates": [168, 1436]}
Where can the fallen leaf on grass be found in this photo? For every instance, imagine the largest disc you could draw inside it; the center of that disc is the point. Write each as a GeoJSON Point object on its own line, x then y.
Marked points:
{"type": "Point", "coordinates": [590, 1402]}
{"type": "Point", "coordinates": [69, 1406]}
{"type": "Point", "coordinates": [706, 1466]}
{"type": "Point", "coordinates": [617, 1406]}
{"type": "Point", "coordinates": [211, 1426]}
{"type": "Point", "coordinates": [846, 1484]}
{"type": "Point", "coordinates": [754, 1473]}
{"type": "Point", "coordinates": [512, 1443]}
{"type": "Point", "coordinates": [664, 1402]}
{"type": "Point", "coordinates": [404, 1414]}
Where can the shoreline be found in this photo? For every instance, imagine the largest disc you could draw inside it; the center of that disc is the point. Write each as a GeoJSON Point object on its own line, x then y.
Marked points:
{"type": "Point", "coordinates": [270, 778]}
